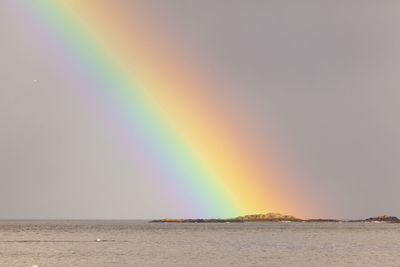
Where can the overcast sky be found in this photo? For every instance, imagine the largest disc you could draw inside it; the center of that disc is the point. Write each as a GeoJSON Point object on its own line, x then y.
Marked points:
{"type": "Point", "coordinates": [319, 77]}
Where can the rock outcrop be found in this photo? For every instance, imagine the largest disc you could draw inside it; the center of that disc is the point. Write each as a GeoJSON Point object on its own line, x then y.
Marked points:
{"type": "Point", "coordinates": [384, 218]}
{"type": "Point", "coordinates": [269, 217]}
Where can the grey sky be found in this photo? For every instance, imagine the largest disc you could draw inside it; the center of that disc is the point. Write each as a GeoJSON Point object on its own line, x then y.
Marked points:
{"type": "Point", "coordinates": [320, 77]}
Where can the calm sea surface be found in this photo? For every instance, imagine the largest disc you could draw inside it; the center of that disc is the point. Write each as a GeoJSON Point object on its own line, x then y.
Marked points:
{"type": "Point", "coordinates": [139, 243]}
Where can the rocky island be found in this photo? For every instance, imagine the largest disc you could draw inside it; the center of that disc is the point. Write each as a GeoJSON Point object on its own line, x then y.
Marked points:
{"type": "Point", "coordinates": [275, 217]}
{"type": "Point", "coordinates": [384, 218]}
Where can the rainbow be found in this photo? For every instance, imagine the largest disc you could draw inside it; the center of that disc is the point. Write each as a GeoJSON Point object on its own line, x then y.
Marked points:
{"type": "Point", "coordinates": [182, 140]}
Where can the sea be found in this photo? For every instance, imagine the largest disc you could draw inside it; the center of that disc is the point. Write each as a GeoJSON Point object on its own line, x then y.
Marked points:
{"type": "Point", "coordinates": [140, 243]}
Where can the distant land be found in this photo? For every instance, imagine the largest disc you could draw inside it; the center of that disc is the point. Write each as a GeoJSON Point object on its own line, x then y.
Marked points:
{"type": "Point", "coordinates": [275, 217]}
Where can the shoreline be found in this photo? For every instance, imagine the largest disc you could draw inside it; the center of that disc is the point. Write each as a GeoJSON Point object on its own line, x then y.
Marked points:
{"type": "Point", "coordinates": [277, 218]}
